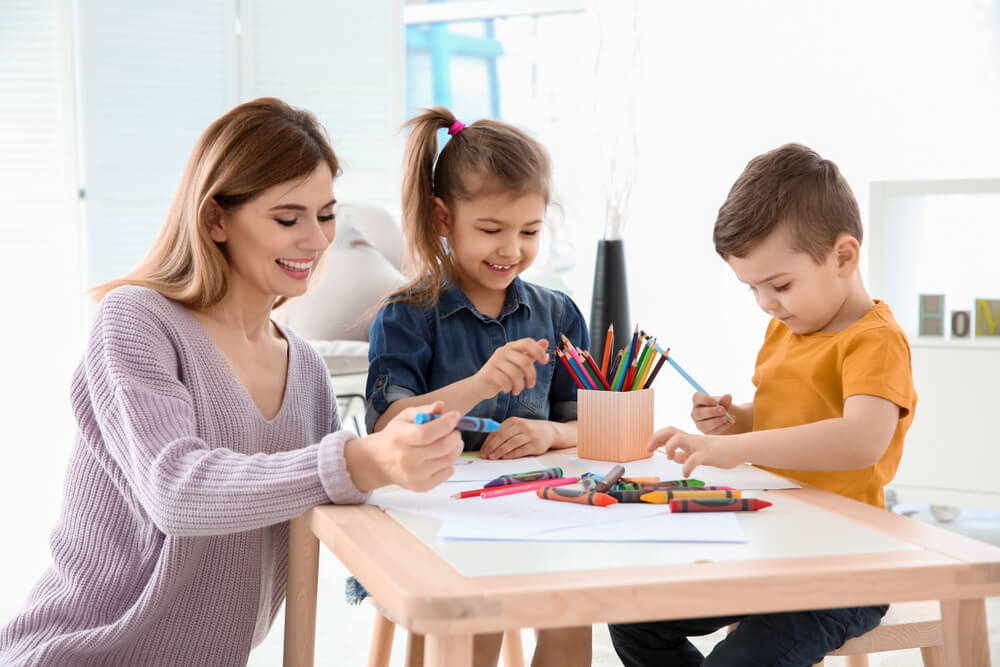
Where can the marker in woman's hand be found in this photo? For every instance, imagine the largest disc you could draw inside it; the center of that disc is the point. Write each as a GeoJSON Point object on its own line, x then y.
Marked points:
{"type": "Point", "coordinates": [466, 423]}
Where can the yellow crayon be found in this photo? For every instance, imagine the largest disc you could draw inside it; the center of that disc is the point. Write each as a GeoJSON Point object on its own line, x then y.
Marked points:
{"type": "Point", "coordinates": [664, 497]}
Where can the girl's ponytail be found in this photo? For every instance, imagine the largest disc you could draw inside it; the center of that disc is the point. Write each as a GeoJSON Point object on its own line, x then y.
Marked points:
{"type": "Point", "coordinates": [425, 249]}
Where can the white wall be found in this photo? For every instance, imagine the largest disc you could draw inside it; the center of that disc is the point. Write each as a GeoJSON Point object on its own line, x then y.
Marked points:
{"type": "Point", "coordinates": [145, 79]}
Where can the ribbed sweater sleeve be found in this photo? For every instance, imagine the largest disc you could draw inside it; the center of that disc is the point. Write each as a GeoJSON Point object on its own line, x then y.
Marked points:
{"type": "Point", "coordinates": [134, 369]}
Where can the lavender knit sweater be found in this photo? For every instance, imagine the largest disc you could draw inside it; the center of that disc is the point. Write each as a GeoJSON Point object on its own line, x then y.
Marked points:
{"type": "Point", "coordinates": [171, 547]}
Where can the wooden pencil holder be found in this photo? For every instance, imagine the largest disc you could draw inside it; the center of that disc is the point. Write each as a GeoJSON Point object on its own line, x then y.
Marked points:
{"type": "Point", "coordinates": [614, 425]}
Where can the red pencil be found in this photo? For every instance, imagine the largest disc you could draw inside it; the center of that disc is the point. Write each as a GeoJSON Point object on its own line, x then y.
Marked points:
{"type": "Point", "coordinates": [630, 376]}
{"type": "Point", "coordinates": [528, 486]}
{"type": "Point", "coordinates": [472, 493]}
{"type": "Point", "coordinates": [570, 369]}
{"type": "Point", "coordinates": [593, 365]}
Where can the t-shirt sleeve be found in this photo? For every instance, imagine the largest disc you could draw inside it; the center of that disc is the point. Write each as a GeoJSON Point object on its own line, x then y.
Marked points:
{"type": "Point", "coordinates": [399, 356]}
{"type": "Point", "coordinates": [877, 363]}
{"type": "Point", "coordinates": [146, 421]}
{"type": "Point", "coordinates": [562, 394]}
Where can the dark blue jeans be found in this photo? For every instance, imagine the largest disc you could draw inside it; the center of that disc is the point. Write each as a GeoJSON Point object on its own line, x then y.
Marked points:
{"type": "Point", "coordinates": [792, 639]}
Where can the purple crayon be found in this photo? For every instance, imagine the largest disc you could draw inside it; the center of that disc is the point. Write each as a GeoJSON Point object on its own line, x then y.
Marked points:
{"type": "Point", "coordinates": [533, 476]}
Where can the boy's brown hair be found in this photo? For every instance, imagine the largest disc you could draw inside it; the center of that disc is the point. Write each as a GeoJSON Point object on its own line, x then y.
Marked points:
{"type": "Point", "coordinates": [791, 185]}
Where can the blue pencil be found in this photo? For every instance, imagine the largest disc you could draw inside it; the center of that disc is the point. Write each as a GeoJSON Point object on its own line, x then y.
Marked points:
{"type": "Point", "coordinates": [589, 381]}
{"type": "Point", "coordinates": [627, 359]}
{"type": "Point", "coordinates": [690, 379]}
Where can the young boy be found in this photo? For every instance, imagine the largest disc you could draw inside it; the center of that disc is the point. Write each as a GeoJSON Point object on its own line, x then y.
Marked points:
{"type": "Point", "coordinates": [834, 392]}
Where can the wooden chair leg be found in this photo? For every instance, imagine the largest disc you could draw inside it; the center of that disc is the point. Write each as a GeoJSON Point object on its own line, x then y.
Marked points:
{"type": "Point", "coordinates": [381, 648]}
{"type": "Point", "coordinates": [933, 656]}
{"type": "Point", "coordinates": [512, 650]}
{"type": "Point", "coordinates": [414, 650]}
{"type": "Point", "coordinates": [859, 660]}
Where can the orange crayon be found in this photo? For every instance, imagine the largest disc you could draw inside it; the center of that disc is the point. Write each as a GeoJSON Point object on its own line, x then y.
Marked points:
{"type": "Point", "coordinates": [575, 496]}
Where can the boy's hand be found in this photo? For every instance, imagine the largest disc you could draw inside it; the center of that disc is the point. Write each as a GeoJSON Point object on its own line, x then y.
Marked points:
{"type": "Point", "coordinates": [518, 437]}
{"type": "Point", "coordinates": [709, 413]}
{"type": "Point", "coordinates": [695, 450]}
{"type": "Point", "coordinates": [512, 367]}
{"type": "Point", "coordinates": [415, 457]}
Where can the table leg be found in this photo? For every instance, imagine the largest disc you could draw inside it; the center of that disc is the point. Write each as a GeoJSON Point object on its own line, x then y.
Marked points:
{"type": "Point", "coordinates": [300, 600]}
{"type": "Point", "coordinates": [447, 650]}
{"type": "Point", "coordinates": [966, 637]}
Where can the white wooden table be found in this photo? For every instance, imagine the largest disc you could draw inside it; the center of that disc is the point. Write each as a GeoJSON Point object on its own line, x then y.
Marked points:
{"type": "Point", "coordinates": [811, 550]}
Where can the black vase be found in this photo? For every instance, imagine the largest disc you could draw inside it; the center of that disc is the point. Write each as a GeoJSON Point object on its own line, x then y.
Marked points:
{"type": "Point", "coordinates": [610, 301]}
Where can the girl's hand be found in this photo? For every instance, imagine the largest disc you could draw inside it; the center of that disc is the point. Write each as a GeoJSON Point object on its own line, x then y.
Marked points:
{"type": "Point", "coordinates": [709, 413]}
{"type": "Point", "coordinates": [519, 437]}
{"type": "Point", "coordinates": [695, 450]}
{"type": "Point", "coordinates": [512, 367]}
{"type": "Point", "coordinates": [415, 457]}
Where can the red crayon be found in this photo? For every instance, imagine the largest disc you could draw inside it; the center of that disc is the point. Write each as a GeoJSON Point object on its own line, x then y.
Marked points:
{"type": "Point", "coordinates": [575, 496]}
{"type": "Point", "coordinates": [720, 505]}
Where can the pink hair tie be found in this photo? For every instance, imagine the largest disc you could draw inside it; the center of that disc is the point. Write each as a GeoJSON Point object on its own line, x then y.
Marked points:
{"type": "Point", "coordinates": [456, 127]}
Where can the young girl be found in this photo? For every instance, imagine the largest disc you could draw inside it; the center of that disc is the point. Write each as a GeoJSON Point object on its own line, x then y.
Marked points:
{"type": "Point", "coordinates": [203, 425]}
{"type": "Point", "coordinates": [467, 330]}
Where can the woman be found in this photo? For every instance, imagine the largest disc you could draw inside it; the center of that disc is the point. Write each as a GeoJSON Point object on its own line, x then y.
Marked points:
{"type": "Point", "coordinates": [203, 425]}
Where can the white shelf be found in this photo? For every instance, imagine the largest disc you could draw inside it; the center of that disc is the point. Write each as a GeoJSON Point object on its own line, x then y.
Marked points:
{"type": "Point", "coordinates": [939, 237]}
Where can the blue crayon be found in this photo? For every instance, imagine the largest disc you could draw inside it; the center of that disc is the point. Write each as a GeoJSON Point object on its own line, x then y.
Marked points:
{"type": "Point", "coordinates": [464, 424]}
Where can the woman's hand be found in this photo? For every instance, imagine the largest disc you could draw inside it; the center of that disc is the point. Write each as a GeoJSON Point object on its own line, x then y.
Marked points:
{"type": "Point", "coordinates": [696, 450]}
{"type": "Point", "coordinates": [512, 367]}
{"type": "Point", "coordinates": [709, 413]}
{"type": "Point", "coordinates": [519, 437]}
{"type": "Point", "coordinates": [415, 457]}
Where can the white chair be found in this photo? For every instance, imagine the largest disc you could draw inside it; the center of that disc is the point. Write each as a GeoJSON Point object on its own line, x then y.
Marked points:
{"type": "Point", "coordinates": [362, 265]}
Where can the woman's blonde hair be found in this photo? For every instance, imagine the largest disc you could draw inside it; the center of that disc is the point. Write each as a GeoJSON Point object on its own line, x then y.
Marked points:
{"type": "Point", "coordinates": [251, 148]}
{"type": "Point", "coordinates": [485, 156]}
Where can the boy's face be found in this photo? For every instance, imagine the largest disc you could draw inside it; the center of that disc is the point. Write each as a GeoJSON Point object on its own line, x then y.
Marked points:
{"type": "Point", "coordinates": [790, 286]}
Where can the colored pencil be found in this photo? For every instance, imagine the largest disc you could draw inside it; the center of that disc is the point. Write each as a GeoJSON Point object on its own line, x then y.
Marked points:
{"type": "Point", "coordinates": [593, 365]}
{"type": "Point", "coordinates": [647, 367]}
{"type": "Point", "coordinates": [583, 375]}
{"type": "Point", "coordinates": [475, 493]}
{"type": "Point", "coordinates": [619, 373]}
{"type": "Point", "coordinates": [569, 368]}
{"type": "Point", "coordinates": [614, 367]}
{"type": "Point", "coordinates": [694, 384]}
{"type": "Point", "coordinates": [527, 486]}
{"type": "Point", "coordinates": [627, 385]}
{"type": "Point", "coordinates": [640, 370]}
{"type": "Point", "coordinates": [627, 359]}
{"type": "Point", "coordinates": [609, 342]}
{"type": "Point", "coordinates": [659, 365]}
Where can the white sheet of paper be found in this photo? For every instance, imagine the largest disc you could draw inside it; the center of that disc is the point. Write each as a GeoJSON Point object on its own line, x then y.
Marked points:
{"type": "Point", "coordinates": [474, 469]}
{"type": "Point", "coordinates": [743, 477]}
{"type": "Point", "coordinates": [658, 526]}
{"type": "Point", "coordinates": [524, 516]}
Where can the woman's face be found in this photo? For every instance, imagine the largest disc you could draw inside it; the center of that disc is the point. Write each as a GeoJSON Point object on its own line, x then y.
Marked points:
{"type": "Point", "coordinates": [274, 241]}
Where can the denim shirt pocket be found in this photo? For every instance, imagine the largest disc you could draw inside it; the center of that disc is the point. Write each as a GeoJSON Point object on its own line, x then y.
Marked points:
{"type": "Point", "coordinates": [536, 399]}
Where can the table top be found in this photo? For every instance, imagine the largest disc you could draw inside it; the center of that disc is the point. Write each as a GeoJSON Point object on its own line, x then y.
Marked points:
{"type": "Point", "coordinates": [812, 549]}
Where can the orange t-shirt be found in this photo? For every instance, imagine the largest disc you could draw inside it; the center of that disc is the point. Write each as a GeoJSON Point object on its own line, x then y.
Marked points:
{"type": "Point", "coordinates": [806, 378]}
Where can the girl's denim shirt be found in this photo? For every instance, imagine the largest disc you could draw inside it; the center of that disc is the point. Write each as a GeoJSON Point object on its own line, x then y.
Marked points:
{"type": "Point", "coordinates": [414, 351]}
